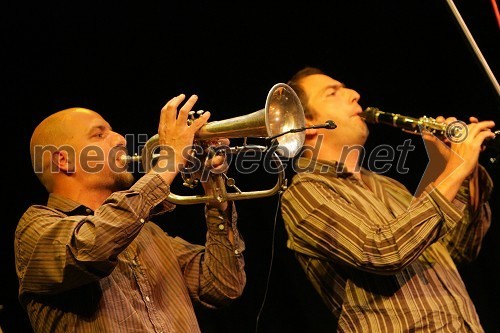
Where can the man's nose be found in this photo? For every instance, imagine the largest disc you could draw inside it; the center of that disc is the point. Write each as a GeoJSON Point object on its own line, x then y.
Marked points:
{"type": "Point", "coordinates": [354, 95]}
{"type": "Point", "coordinates": [118, 139]}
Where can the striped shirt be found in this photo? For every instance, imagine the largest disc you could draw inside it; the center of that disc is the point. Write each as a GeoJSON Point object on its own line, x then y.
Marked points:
{"type": "Point", "coordinates": [112, 271]}
{"type": "Point", "coordinates": [379, 265]}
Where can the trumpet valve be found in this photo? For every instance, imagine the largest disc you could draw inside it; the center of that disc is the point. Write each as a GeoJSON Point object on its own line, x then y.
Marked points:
{"type": "Point", "coordinates": [193, 114]}
{"type": "Point", "coordinates": [190, 182]}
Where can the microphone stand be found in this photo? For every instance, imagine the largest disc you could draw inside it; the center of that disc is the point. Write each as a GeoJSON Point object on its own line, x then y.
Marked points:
{"type": "Point", "coordinates": [273, 143]}
{"type": "Point", "coordinates": [329, 124]}
{"type": "Point", "coordinates": [493, 160]}
{"type": "Point", "coordinates": [474, 46]}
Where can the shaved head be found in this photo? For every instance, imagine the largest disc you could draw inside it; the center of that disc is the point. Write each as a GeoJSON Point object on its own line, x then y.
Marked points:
{"type": "Point", "coordinates": [53, 132]}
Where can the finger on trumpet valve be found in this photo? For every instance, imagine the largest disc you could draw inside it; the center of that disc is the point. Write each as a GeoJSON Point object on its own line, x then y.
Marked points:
{"type": "Point", "coordinates": [191, 117]}
{"type": "Point", "coordinates": [193, 114]}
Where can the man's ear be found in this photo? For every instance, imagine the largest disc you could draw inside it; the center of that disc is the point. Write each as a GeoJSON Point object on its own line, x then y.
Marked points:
{"type": "Point", "coordinates": [60, 158]}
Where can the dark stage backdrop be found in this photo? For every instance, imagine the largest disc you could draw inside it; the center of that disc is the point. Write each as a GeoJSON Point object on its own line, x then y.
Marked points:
{"type": "Point", "coordinates": [126, 59]}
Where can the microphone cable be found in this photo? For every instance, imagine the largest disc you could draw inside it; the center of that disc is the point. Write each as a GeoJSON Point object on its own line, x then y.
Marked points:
{"type": "Point", "coordinates": [270, 264]}
{"type": "Point", "coordinates": [329, 124]}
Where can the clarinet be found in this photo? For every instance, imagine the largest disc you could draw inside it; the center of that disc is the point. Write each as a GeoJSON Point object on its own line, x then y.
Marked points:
{"type": "Point", "coordinates": [455, 131]}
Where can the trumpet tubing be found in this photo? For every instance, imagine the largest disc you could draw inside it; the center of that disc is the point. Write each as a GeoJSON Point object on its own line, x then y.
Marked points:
{"type": "Point", "coordinates": [250, 125]}
{"type": "Point", "coordinates": [282, 113]}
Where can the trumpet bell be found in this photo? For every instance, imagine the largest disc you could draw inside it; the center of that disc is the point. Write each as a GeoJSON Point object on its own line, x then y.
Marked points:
{"type": "Point", "coordinates": [282, 112]}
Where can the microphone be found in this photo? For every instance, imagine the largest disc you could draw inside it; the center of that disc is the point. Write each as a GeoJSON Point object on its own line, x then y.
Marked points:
{"type": "Point", "coordinates": [329, 124]}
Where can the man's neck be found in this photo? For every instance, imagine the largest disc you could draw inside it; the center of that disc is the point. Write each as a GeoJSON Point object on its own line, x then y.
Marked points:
{"type": "Point", "coordinates": [351, 160]}
{"type": "Point", "coordinates": [90, 198]}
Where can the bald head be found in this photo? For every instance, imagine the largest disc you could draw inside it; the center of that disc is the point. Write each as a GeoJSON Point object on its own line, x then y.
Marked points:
{"type": "Point", "coordinates": [53, 132]}
{"type": "Point", "coordinates": [56, 129]}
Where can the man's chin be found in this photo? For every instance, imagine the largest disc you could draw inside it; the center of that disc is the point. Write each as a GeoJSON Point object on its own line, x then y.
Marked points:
{"type": "Point", "coordinates": [367, 133]}
{"type": "Point", "coordinates": [123, 181]}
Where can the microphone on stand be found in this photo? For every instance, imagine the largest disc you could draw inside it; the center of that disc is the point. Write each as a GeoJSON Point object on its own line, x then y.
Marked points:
{"type": "Point", "coordinates": [329, 124]}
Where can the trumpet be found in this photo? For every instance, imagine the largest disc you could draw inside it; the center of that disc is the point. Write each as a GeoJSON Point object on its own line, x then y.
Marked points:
{"type": "Point", "coordinates": [282, 114]}
{"type": "Point", "coordinates": [455, 132]}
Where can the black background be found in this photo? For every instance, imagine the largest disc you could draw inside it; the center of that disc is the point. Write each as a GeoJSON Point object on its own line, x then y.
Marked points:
{"type": "Point", "coordinates": [126, 59]}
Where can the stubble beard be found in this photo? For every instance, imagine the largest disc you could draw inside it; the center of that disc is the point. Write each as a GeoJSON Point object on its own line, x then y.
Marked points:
{"type": "Point", "coordinates": [123, 181]}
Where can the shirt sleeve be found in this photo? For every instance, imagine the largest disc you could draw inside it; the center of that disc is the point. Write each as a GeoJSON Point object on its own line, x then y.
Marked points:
{"type": "Point", "coordinates": [322, 224]}
{"type": "Point", "coordinates": [214, 273]}
{"type": "Point", "coordinates": [464, 241]}
{"type": "Point", "coordinates": [55, 252]}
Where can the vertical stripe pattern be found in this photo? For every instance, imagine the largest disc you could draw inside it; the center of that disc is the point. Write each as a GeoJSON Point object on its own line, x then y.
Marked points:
{"type": "Point", "coordinates": [379, 264]}
{"type": "Point", "coordinates": [112, 271]}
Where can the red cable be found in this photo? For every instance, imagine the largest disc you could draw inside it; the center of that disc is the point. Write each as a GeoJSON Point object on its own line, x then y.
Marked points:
{"type": "Point", "coordinates": [495, 9]}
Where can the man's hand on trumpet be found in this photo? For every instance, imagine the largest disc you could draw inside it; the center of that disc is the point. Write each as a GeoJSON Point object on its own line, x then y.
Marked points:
{"type": "Point", "coordinates": [179, 151]}
{"type": "Point", "coordinates": [176, 135]}
{"type": "Point", "coordinates": [208, 159]}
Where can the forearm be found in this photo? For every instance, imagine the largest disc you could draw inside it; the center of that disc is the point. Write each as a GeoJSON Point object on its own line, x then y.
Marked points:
{"type": "Point", "coordinates": [450, 181]}
{"type": "Point", "coordinates": [364, 235]}
{"type": "Point", "coordinates": [464, 242]}
{"type": "Point", "coordinates": [216, 276]}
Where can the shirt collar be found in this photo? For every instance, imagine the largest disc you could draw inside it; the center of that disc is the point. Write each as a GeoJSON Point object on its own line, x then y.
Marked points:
{"type": "Point", "coordinates": [328, 168]}
{"type": "Point", "coordinates": [67, 206]}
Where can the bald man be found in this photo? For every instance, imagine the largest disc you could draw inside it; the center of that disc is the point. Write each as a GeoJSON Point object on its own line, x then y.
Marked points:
{"type": "Point", "coordinates": [90, 260]}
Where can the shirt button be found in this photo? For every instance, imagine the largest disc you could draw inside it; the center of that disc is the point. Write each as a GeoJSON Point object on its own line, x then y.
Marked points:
{"type": "Point", "coordinates": [221, 226]}
{"type": "Point", "coordinates": [236, 252]}
{"type": "Point", "coordinates": [141, 220]}
{"type": "Point", "coordinates": [134, 262]}
{"type": "Point", "coordinates": [88, 211]}
{"type": "Point", "coordinates": [147, 298]}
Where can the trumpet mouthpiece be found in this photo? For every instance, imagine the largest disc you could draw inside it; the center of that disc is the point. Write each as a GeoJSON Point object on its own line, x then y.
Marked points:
{"type": "Point", "coordinates": [129, 159]}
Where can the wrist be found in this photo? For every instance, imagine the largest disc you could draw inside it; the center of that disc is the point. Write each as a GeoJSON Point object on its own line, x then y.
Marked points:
{"type": "Point", "coordinates": [166, 168]}
{"type": "Point", "coordinates": [222, 206]}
